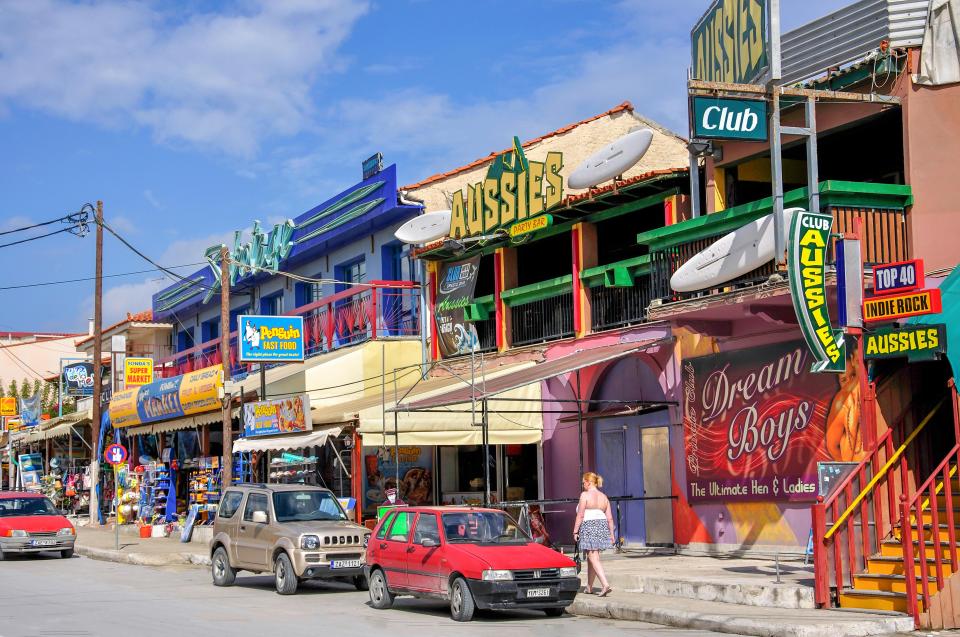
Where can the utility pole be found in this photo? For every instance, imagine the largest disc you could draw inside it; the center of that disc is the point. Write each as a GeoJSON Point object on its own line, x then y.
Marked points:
{"type": "Point", "coordinates": [226, 465]}
{"type": "Point", "coordinates": [97, 372]}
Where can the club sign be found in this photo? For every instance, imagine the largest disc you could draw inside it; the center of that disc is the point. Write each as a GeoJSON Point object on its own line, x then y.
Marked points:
{"type": "Point", "coordinates": [903, 276]}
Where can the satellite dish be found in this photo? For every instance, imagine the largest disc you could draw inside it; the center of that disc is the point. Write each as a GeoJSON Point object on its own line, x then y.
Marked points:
{"type": "Point", "coordinates": [612, 160]}
{"type": "Point", "coordinates": [425, 228]}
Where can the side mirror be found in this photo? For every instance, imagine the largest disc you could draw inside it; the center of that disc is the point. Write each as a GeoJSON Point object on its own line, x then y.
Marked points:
{"type": "Point", "coordinates": [260, 517]}
{"type": "Point", "coordinates": [429, 543]}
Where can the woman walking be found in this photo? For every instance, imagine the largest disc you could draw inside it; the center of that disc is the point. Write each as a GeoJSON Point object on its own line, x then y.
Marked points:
{"type": "Point", "coordinates": [593, 530]}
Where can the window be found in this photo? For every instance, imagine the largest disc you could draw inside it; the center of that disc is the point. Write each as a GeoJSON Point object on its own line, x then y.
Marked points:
{"type": "Point", "coordinates": [307, 506]}
{"type": "Point", "coordinates": [350, 273]}
{"type": "Point", "coordinates": [185, 339]}
{"type": "Point", "coordinates": [272, 305]}
{"type": "Point", "coordinates": [382, 533]}
{"type": "Point", "coordinates": [400, 529]}
{"type": "Point", "coordinates": [427, 528]}
{"type": "Point", "coordinates": [255, 502]}
{"type": "Point", "coordinates": [230, 504]}
{"type": "Point", "coordinates": [11, 507]}
{"type": "Point", "coordinates": [209, 330]}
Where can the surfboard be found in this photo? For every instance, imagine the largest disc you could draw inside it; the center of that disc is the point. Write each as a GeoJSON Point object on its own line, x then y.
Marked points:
{"type": "Point", "coordinates": [730, 256]}
{"type": "Point", "coordinates": [612, 160]}
{"type": "Point", "coordinates": [426, 227]}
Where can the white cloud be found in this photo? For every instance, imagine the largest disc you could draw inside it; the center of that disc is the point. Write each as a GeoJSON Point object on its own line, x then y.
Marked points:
{"type": "Point", "coordinates": [225, 81]}
{"type": "Point", "coordinates": [152, 199]}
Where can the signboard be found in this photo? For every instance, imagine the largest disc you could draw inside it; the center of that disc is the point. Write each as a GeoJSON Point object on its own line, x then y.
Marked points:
{"type": "Point", "coordinates": [530, 225]}
{"type": "Point", "coordinates": [270, 339]}
{"type": "Point", "coordinates": [30, 409]}
{"type": "Point", "coordinates": [8, 406]}
{"type": "Point", "coordinates": [917, 342]}
{"type": "Point", "coordinates": [168, 398]}
{"type": "Point", "coordinates": [372, 165]}
{"type": "Point", "coordinates": [806, 263]}
{"type": "Point", "coordinates": [414, 465]}
{"type": "Point", "coordinates": [31, 469]}
{"type": "Point", "coordinates": [78, 379]}
{"type": "Point", "coordinates": [758, 420]}
{"type": "Point", "coordinates": [137, 371]}
{"type": "Point", "coordinates": [514, 189]}
{"type": "Point", "coordinates": [287, 415]}
{"type": "Point", "coordinates": [831, 474]}
{"type": "Point", "coordinates": [902, 276]}
{"type": "Point", "coordinates": [717, 118]}
{"type": "Point", "coordinates": [729, 43]}
{"type": "Point", "coordinates": [115, 454]}
{"type": "Point", "coordinates": [455, 286]}
{"type": "Point", "coordinates": [888, 308]}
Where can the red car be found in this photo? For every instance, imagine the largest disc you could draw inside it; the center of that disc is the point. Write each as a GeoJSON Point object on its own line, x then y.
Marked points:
{"type": "Point", "coordinates": [472, 558]}
{"type": "Point", "coordinates": [29, 523]}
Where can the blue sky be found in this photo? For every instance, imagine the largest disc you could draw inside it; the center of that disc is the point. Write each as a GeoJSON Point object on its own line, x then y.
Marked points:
{"type": "Point", "coordinates": [192, 119]}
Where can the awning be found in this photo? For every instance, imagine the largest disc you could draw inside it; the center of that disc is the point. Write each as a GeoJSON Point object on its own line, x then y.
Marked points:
{"type": "Point", "coordinates": [455, 426]}
{"type": "Point", "coordinates": [949, 316]}
{"type": "Point", "coordinates": [178, 424]}
{"type": "Point", "coordinates": [293, 441]}
{"type": "Point", "coordinates": [53, 428]}
{"type": "Point", "coordinates": [502, 384]}
{"type": "Point", "coordinates": [619, 411]}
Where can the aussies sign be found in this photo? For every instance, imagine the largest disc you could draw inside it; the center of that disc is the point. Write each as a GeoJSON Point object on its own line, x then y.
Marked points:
{"type": "Point", "coordinates": [514, 189]}
{"type": "Point", "coordinates": [806, 261]}
{"type": "Point", "coordinates": [455, 285]}
{"type": "Point", "coordinates": [757, 421]}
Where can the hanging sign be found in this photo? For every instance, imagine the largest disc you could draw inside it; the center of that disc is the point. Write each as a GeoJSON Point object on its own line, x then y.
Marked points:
{"type": "Point", "coordinates": [137, 371]}
{"type": "Point", "coordinates": [456, 283]}
{"type": "Point", "coordinates": [514, 189]}
{"type": "Point", "coordinates": [757, 422]}
{"type": "Point", "coordinates": [903, 276]}
{"type": "Point", "coordinates": [8, 406]}
{"type": "Point", "coordinates": [270, 339]}
{"type": "Point", "coordinates": [31, 470]}
{"type": "Point", "coordinates": [168, 398]}
{"type": "Point", "coordinates": [78, 379]}
{"type": "Point", "coordinates": [717, 118]}
{"type": "Point", "coordinates": [806, 262]}
{"type": "Point", "coordinates": [889, 308]}
{"type": "Point", "coordinates": [917, 342]}
{"type": "Point", "coordinates": [287, 415]}
{"type": "Point", "coordinates": [729, 43]}
{"type": "Point", "coordinates": [530, 225]}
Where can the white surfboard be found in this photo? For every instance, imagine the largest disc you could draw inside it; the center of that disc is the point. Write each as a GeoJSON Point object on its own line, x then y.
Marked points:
{"type": "Point", "coordinates": [424, 228]}
{"type": "Point", "coordinates": [730, 256]}
{"type": "Point", "coordinates": [612, 160]}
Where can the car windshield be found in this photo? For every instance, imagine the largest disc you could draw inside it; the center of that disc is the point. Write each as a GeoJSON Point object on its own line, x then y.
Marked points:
{"type": "Point", "coordinates": [10, 507]}
{"type": "Point", "coordinates": [483, 527]}
{"type": "Point", "coordinates": [306, 506]}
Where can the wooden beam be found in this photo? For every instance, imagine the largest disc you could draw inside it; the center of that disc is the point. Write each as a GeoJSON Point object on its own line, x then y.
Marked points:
{"type": "Point", "coordinates": [758, 89]}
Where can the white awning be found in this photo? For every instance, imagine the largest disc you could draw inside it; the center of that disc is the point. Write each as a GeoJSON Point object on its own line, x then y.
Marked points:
{"type": "Point", "coordinates": [53, 428]}
{"type": "Point", "coordinates": [178, 424]}
{"type": "Point", "coordinates": [315, 438]}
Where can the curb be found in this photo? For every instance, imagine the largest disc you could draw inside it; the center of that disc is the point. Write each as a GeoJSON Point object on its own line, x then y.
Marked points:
{"type": "Point", "coordinates": [612, 609]}
{"type": "Point", "coordinates": [768, 596]}
{"type": "Point", "coordinates": [144, 559]}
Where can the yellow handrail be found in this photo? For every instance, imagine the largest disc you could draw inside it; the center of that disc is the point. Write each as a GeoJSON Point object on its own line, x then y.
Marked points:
{"type": "Point", "coordinates": [883, 470]}
{"type": "Point", "coordinates": [938, 488]}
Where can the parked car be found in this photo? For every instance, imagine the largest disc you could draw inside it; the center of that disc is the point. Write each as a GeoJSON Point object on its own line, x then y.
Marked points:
{"type": "Point", "coordinates": [29, 523]}
{"type": "Point", "coordinates": [470, 557]}
{"type": "Point", "coordinates": [295, 531]}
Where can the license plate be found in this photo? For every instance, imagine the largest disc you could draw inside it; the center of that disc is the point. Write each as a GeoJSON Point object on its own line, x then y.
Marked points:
{"type": "Point", "coordinates": [43, 542]}
{"type": "Point", "coordinates": [346, 564]}
{"type": "Point", "coordinates": [538, 592]}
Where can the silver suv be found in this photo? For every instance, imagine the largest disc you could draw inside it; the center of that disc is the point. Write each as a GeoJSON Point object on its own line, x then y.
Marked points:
{"type": "Point", "coordinates": [297, 532]}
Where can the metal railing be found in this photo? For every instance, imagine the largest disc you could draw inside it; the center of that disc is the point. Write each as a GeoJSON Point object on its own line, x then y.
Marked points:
{"type": "Point", "coordinates": [380, 309]}
{"type": "Point", "coordinates": [542, 320]}
{"type": "Point", "coordinates": [619, 306]}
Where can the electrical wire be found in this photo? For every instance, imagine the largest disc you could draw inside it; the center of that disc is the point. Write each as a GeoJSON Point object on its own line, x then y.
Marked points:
{"type": "Point", "coordinates": [36, 225]}
{"type": "Point", "coordinates": [92, 278]}
{"type": "Point", "coordinates": [40, 236]}
{"type": "Point", "coordinates": [151, 261]}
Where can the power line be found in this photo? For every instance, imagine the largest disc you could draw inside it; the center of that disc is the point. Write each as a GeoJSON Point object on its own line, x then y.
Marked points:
{"type": "Point", "coordinates": [91, 278]}
{"type": "Point", "coordinates": [151, 261]}
{"type": "Point", "coordinates": [40, 236]}
{"type": "Point", "coordinates": [36, 225]}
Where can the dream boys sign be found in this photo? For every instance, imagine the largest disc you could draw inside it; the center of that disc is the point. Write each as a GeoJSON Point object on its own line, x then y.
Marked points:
{"type": "Point", "coordinates": [757, 421]}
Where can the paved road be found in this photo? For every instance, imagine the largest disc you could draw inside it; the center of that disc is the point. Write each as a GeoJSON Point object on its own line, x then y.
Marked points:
{"type": "Point", "coordinates": [41, 596]}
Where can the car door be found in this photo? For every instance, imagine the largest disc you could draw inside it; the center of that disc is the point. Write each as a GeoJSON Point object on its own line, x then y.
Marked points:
{"type": "Point", "coordinates": [228, 516]}
{"type": "Point", "coordinates": [425, 563]}
{"type": "Point", "coordinates": [254, 538]}
{"type": "Point", "coordinates": [393, 549]}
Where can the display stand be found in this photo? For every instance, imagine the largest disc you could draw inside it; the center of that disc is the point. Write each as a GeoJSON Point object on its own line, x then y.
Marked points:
{"type": "Point", "coordinates": [295, 472]}
{"type": "Point", "coordinates": [205, 490]}
{"type": "Point", "coordinates": [154, 491]}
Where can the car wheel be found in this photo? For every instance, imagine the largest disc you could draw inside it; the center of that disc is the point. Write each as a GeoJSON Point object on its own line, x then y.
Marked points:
{"type": "Point", "coordinates": [461, 601]}
{"type": "Point", "coordinates": [553, 612]}
{"type": "Point", "coordinates": [66, 554]}
{"type": "Point", "coordinates": [380, 595]}
{"type": "Point", "coordinates": [361, 583]}
{"type": "Point", "coordinates": [286, 578]}
{"type": "Point", "coordinates": [223, 573]}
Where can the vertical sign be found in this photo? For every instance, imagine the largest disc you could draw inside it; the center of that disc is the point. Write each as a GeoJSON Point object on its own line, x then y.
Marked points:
{"type": "Point", "coordinates": [455, 285]}
{"type": "Point", "coordinates": [729, 43]}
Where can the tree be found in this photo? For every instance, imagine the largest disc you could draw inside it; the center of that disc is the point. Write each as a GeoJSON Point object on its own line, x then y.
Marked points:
{"type": "Point", "coordinates": [36, 386]}
{"type": "Point", "coordinates": [25, 388]}
{"type": "Point", "coordinates": [46, 400]}
{"type": "Point", "coordinates": [12, 388]}
{"type": "Point", "coordinates": [2, 391]}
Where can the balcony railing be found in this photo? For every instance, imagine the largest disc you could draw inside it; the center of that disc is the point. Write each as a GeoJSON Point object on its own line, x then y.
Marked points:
{"type": "Point", "coordinates": [542, 311]}
{"type": "Point", "coordinates": [619, 293]}
{"type": "Point", "coordinates": [380, 309]}
{"type": "Point", "coordinates": [882, 209]}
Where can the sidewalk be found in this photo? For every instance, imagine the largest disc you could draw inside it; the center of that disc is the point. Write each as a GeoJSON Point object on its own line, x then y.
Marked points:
{"type": "Point", "coordinates": [99, 544]}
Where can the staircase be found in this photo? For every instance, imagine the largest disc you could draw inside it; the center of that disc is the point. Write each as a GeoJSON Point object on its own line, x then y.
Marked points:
{"type": "Point", "coordinates": [865, 557]}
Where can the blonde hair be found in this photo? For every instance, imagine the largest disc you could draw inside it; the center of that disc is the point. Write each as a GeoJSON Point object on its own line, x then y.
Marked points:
{"type": "Point", "coordinates": [593, 478]}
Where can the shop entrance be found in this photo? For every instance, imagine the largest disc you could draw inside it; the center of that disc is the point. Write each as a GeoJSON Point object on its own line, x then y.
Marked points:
{"type": "Point", "coordinates": [633, 455]}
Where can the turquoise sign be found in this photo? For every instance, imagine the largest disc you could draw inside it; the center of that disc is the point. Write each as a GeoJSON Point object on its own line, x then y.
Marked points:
{"type": "Point", "coordinates": [716, 118]}
{"type": "Point", "coordinates": [270, 339]}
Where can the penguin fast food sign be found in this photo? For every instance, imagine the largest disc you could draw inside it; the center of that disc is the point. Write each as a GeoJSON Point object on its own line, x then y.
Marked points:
{"type": "Point", "coordinates": [514, 189]}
